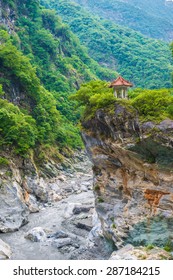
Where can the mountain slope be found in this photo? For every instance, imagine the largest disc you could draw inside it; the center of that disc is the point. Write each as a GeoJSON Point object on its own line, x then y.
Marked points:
{"type": "Point", "coordinates": [146, 62]}
{"type": "Point", "coordinates": [152, 18]}
{"type": "Point", "coordinates": [42, 62]}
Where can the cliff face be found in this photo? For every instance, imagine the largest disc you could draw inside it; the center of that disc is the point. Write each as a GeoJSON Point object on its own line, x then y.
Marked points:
{"type": "Point", "coordinates": [132, 176]}
{"type": "Point", "coordinates": [22, 189]}
{"type": "Point", "coordinates": [7, 16]}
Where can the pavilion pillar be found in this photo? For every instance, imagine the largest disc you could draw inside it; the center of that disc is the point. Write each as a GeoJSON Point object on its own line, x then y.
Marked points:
{"type": "Point", "coordinates": [115, 93]}
{"type": "Point", "coordinates": [122, 93]}
{"type": "Point", "coordinates": [125, 93]}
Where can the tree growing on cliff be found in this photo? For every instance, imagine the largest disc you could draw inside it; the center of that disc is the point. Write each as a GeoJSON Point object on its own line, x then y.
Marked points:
{"type": "Point", "coordinates": [93, 96]}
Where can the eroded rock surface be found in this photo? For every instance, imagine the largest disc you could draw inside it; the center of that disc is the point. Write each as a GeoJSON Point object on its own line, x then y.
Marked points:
{"type": "Point", "coordinates": [13, 210]}
{"type": "Point", "coordinates": [133, 179]}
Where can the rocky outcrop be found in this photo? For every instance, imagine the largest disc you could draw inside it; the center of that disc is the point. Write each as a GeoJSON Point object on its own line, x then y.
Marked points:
{"type": "Point", "coordinates": [7, 16]}
{"type": "Point", "coordinates": [133, 179]}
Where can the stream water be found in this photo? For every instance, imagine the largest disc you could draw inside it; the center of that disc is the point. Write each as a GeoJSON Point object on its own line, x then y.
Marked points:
{"type": "Point", "coordinates": [74, 215]}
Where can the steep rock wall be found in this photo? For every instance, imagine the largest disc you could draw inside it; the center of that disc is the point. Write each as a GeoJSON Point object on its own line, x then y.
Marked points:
{"type": "Point", "coordinates": [133, 179]}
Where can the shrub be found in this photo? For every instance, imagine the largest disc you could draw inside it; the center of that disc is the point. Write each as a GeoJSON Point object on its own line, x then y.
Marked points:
{"type": "Point", "coordinates": [16, 128]}
{"type": "Point", "coordinates": [154, 105]}
{"type": "Point", "coordinates": [93, 96]}
{"type": "Point", "coordinates": [3, 161]}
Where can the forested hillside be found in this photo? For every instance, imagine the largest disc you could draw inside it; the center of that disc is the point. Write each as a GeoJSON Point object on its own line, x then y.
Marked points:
{"type": "Point", "coordinates": [42, 63]}
{"type": "Point", "coordinates": [152, 18]}
{"type": "Point", "coordinates": [146, 62]}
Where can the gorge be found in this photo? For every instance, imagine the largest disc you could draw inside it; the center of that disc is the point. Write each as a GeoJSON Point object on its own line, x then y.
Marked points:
{"type": "Point", "coordinates": [83, 173]}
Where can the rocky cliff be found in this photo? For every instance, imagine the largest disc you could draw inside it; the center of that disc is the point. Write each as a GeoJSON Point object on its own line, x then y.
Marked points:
{"type": "Point", "coordinates": [133, 179]}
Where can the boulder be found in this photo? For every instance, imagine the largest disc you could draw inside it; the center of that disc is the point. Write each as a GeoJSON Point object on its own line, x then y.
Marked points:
{"type": "Point", "coordinates": [5, 251]}
{"type": "Point", "coordinates": [58, 234]}
{"type": "Point", "coordinates": [36, 235]}
{"type": "Point", "coordinates": [69, 209]}
{"type": "Point", "coordinates": [79, 209]}
{"type": "Point", "coordinates": [61, 242]}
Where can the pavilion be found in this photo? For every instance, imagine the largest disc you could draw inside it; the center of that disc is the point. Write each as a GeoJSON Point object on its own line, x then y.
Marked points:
{"type": "Point", "coordinates": [120, 86]}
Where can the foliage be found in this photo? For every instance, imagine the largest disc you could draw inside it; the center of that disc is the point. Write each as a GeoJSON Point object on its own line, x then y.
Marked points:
{"type": "Point", "coordinates": [68, 135]}
{"type": "Point", "coordinates": [58, 61]}
{"type": "Point", "coordinates": [37, 120]}
{"type": "Point", "coordinates": [18, 65]}
{"type": "Point", "coordinates": [93, 96]}
{"type": "Point", "coordinates": [146, 62]}
{"type": "Point", "coordinates": [52, 54]}
{"type": "Point", "coordinates": [43, 63]}
{"type": "Point", "coordinates": [1, 91]}
{"type": "Point", "coordinates": [3, 161]}
{"type": "Point", "coordinates": [16, 129]}
{"type": "Point", "coordinates": [150, 247]}
{"type": "Point", "coordinates": [54, 49]}
{"type": "Point", "coordinates": [151, 18]}
{"type": "Point", "coordinates": [154, 105]}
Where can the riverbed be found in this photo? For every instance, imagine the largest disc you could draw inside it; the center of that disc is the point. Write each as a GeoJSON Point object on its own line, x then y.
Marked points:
{"type": "Point", "coordinates": [72, 229]}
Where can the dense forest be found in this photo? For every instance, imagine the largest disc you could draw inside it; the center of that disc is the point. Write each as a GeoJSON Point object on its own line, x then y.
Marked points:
{"type": "Point", "coordinates": [44, 61]}
{"type": "Point", "coordinates": [144, 61]}
{"type": "Point", "coordinates": [151, 18]}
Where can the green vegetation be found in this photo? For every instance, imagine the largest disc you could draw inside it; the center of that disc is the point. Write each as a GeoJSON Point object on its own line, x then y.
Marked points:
{"type": "Point", "coordinates": [17, 129]}
{"type": "Point", "coordinates": [168, 246]}
{"type": "Point", "coordinates": [145, 62]}
{"type": "Point", "coordinates": [151, 18]}
{"type": "Point", "coordinates": [150, 247]}
{"type": "Point", "coordinates": [36, 120]}
{"type": "Point", "coordinates": [97, 188]}
{"type": "Point", "coordinates": [154, 105]}
{"type": "Point", "coordinates": [42, 63]}
{"type": "Point", "coordinates": [100, 200]}
{"type": "Point", "coordinates": [62, 63]}
{"type": "Point", "coordinates": [93, 96]}
{"type": "Point", "coordinates": [167, 249]}
{"type": "Point", "coordinates": [4, 161]}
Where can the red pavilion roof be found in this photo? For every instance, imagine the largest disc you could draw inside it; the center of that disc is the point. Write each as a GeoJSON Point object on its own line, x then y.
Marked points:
{"type": "Point", "coordinates": [120, 81]}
